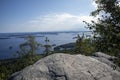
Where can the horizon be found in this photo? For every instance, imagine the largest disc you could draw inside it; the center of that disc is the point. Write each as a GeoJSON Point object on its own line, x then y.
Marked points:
{"type": "Point", "coordinates": [19, 16]}
{"type": "Point", "coordinates": [45, 32]}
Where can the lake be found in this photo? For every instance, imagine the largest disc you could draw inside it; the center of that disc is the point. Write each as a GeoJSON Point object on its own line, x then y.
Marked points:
{"type": "Point", "coordinates": [9, 42]}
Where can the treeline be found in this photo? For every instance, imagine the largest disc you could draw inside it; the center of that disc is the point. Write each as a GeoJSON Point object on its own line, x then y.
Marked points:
{"type": "Point", "coordinates": [106, 28]}
{"type": "Point", "coordinates": [25, 56]}
{"type": "Point", "coordinates": [106, 31]}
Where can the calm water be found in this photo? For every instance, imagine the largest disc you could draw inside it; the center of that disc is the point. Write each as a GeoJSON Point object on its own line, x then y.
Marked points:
{"type": "Point", "coordinates": [15, 39]}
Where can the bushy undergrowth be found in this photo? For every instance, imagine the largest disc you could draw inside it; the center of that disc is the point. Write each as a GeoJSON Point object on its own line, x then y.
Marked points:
{"type": "Point", "coordinates": [10, 66]}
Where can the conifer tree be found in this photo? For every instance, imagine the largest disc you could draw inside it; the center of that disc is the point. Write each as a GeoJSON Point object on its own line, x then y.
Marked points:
{"type": "Point", "coordinates": [47, 47]}
{"type": "Point", "coordinates": [78, 44]}
{"type": "Point", "coordinates": [107, 29]}
{"type": "Point", "coordinates": [30, 46]}
{"type": "Point", "coordinates": [28, 49]}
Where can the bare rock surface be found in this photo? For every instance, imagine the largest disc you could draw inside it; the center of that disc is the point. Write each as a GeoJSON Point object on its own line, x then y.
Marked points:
{"type": "Point", "coordinates": [67, 67]}
{"type": "Point", "coordinates": [107, 59]}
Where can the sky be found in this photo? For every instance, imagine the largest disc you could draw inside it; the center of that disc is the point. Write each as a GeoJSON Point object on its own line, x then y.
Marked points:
{"type": "Point", "coordinates": [44, 15]}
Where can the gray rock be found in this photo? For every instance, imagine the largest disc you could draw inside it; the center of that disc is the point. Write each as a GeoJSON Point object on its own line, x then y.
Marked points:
{"type": "Point", "coordinates": [102, 55]}
{"type": "Point", "coordinates": [67, 67]}
{"type": "Point", "coordinates": [107, 59]}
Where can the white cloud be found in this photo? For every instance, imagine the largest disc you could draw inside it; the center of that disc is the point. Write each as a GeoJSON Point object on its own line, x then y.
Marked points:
{"type": "Point", "coordinates": [56, 22]}
{"type": "Point", "coordinates": [94, 4]}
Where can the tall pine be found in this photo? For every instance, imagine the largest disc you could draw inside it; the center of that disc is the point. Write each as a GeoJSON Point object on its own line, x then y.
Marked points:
{"type": "Point", "coordinates": [107, 29]}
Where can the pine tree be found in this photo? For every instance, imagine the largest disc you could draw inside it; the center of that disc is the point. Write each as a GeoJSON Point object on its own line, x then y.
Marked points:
{"type": "Point", "coordinates": [28, 49]}
{"type": "Point", "coordinates": [78, 44]}
{"type": "Point", "coordinates": [47, 47]}
{"type": "Point", "coordinates": [30, 46]}
{"type": "Point", "coordinates": [107, 29]}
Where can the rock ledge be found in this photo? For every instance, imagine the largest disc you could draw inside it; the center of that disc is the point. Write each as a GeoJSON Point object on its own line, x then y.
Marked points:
{"type": "Point", "coordinates": [67, 67]}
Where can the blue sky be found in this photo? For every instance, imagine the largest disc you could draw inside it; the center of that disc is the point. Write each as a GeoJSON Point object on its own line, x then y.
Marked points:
{"type": "Point", "coordinates": [44, 15]}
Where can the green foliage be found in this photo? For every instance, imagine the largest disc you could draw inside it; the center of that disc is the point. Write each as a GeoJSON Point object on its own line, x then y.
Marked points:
{"type": "Point", "coordinates": [84, 46]}
{"type": "Point", "coordinates": [65, 48]}
{"type": "Point", "coordinates": [27, 56]}
{"type": "Point", "coordinates": [88, 47]}
{"type": "Point", "coordinates": [28, 51]}
{"type": "Point", "coordinates": [107, 28]}
{"type": "Point", "coordinates": [10, 66]}
{"type": "Point", "coordinates": [78, 45]}
{"type": "Point", "coordinates": [47, 47]}
{"type": "Point", "coordinates": [29, 47]}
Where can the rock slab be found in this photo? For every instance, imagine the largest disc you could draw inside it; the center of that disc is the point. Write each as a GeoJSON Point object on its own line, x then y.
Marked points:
{"type": "Point", "coordinates": [67, 67]}
{"type": "Point", "coordinates": [107, 59]}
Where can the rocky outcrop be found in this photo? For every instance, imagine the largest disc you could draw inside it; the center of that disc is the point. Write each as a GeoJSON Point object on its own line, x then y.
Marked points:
{"type": "Point", "coordinates": [107, 59]}
{"type": "Point", "coordinates": [102, 55]}
{"type": "Point", "coordinates": [67, 67]}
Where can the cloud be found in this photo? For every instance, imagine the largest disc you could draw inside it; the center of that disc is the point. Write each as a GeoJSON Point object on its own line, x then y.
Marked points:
{"type": "Point", "coordinates": [94, 4]}
{"type": "Point", "coordinates": [55, 22]}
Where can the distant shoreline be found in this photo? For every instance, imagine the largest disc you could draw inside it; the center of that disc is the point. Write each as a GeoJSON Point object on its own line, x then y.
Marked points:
{"type": "Point", "coordinates": [43, 32]}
